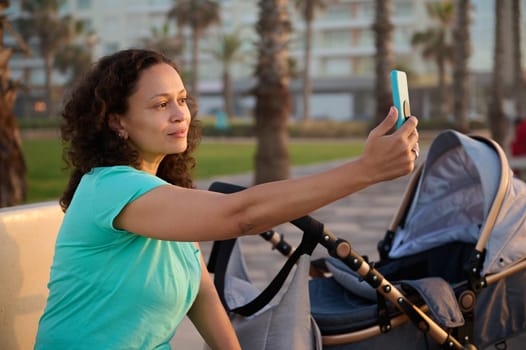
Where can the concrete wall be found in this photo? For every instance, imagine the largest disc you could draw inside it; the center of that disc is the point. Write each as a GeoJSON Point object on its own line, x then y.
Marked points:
{"type": "Point", "coordinates": [27, 241]}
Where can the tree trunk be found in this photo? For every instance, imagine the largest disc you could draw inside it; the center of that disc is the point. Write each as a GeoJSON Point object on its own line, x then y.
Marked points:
{"type": "Point", "coordinates": [460, 71]}
{"type": "Point", "coordinates": [194, 89]}
{"type": "Point", "coordinates": [520, 103]}
{"type": "Point", "coordinates": [13, 185]}
{"type": "Point", "coordinates": [48, 69]}
{"type": "Point", "coordinates": [307, 83]}
{"type": "Point", "coordinates": [497, 120]}
{"type": "Point", "coordinates": [383, 29]}
{"type": "Point", "coordinates": [442, 88]}
{"type": "Point", "coordinates": [227, 93]}
{"type": "Point", "coordinates": [272, 93]}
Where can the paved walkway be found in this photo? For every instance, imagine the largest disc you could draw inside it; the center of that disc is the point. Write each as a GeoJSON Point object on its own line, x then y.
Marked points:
{"type": "Point", "coordinates": [361, 218]}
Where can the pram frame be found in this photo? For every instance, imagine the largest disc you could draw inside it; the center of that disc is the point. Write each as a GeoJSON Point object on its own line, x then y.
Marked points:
{"type": "Point", "coordinates": [342, 250]}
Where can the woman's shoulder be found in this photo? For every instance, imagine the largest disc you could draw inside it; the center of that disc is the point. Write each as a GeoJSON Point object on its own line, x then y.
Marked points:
{"type": "Point", "coordinates": [116, 184]}
{"type": "Point", "coordinates": [117, 171]}
{"type": "Point", "coordinates": [114, 169]}
{"type": "Point", "coordinates": [121, 173]}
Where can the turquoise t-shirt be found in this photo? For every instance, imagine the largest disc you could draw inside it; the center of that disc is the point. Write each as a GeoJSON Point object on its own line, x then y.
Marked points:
{"type": "Point", "coordinates": [109, 288]}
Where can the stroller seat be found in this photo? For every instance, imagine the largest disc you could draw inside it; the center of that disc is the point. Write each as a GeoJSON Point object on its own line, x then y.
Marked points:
{"type": "Point", "coordinates": [345, 303]}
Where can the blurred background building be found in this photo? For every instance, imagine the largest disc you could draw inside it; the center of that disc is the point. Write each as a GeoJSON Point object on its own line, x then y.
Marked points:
{"type": "Point", "coordinates": [342, 64]}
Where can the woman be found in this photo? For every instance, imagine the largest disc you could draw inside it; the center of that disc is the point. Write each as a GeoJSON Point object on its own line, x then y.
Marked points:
{"type": "Point", "coordinates": [125, 270]}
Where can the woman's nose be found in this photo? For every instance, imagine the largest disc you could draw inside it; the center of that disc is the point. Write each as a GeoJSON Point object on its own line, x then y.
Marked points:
{"type": "Point", "coordinates": [177, 114]}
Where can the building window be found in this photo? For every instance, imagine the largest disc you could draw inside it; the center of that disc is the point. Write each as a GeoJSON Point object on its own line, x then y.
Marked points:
{"type": "Point", "coordinates": [363, 38]}
{"type": "Point", "coordinates": [365, 11]}
{"type": "Point", "coordinates": [336, 39]}
{"type": "Point", "coordinates": [137, 26]}
{"type": "Point", "coordinates": [110, 47]}
{"type": "Point", "coordinates": [64, 8]}
{"type": "Point", "coordinates": [336, 12]}
{"type": "Point", "coordinates": [37, 77]}
{"type": "Point", "coordinates": [363, 66]}
{"type": "Point", "coordinates": [83, 4]}
{"type": "Point", "coordinates": [164, 3]}
{"type": "Point", "coordinates": [403, 9]}
{"type": "Point", "coordinates": [88, 25]}
{"type": "Point", "coordinates": [110, 26]}
{"type": "Point", "coordinates": [402, 37]}
{"type": "Point", "coordinates": [337, 67]}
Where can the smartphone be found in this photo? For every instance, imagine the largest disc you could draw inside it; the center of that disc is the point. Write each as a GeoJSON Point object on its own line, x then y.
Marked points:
{"type": "Point", "coordinates": [400, 96]}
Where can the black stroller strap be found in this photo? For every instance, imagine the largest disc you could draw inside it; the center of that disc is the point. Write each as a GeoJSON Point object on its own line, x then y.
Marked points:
{"type": "Point", "coordinates": [307, 245]}
{"type": "Point", "coordinates": [222, 250]}
{"type": "Point", "coordinates": [218, 263]}
{"type": "Point", "coordinates": [271, 290]}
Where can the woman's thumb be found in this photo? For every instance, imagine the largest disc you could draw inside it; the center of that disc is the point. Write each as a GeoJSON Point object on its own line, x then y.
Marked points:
{"type": "Point", "coordinates": [387, 124]}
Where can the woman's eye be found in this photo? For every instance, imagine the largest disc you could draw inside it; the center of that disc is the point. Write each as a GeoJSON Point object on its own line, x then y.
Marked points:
{"type": "Point", "coordinates": [183, 100]}
{"type": "Point", "coordinates": [162, 105]}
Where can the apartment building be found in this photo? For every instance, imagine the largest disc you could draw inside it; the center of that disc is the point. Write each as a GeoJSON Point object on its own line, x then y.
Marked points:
{"type": "Point", "coordinates": [342, 64]}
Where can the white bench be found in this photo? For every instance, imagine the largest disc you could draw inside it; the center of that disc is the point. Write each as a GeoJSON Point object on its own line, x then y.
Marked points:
{"type": "Point", "coordinates": [27, 242]}
{"type": "Point", "coordinates": [27, 245]}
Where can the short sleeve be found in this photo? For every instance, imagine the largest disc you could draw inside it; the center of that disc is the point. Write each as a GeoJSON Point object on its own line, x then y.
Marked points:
{"type": "Point", "coordinates": [114, 187]}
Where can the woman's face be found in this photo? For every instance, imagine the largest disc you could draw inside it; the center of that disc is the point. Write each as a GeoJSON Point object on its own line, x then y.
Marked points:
{"type": "Point", "coordinates": [158, 118]}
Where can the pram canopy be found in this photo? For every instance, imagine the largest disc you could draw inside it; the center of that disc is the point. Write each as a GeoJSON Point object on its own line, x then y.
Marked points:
{"type": "Point", "coordinates": [465, 181]}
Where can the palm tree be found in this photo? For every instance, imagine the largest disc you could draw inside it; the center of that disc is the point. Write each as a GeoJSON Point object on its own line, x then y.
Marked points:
{"type": "Point", "coordinates": [520, 107]}
{"type": "Point", "coordinates": [308, 8]}
{"type": "Point", "coordinates": [41, 19]}
{"type": "Point", "coordinates": [161, 40]}
{"type": "Point", "coordinates": [228, 52]}
{"type": "Point", "coordinates": [198, 15]}
{"type": "Point", "coordinates": [73, 60]}
{"type": "Point", "coordinates": [13, 185]}
{"type": "Point", "coordinates": [272, 93]}
{"type": "Point", "coordinates": [498, 122]}
{"type": "Point", "coordinates": [462, 44]}
{"type": "Point", "coordinates": [436, 46]}
{"type": "Point", "coordinates": [383, 29]}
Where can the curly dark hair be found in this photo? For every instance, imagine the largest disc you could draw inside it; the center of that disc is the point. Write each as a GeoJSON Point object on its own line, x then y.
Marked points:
{"type": "Point", "coordinates": [88, 139]}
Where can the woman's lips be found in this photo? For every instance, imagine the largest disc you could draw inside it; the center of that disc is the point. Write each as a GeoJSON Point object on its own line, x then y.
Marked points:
{"type": "Point", "coordinates": [177, 133]}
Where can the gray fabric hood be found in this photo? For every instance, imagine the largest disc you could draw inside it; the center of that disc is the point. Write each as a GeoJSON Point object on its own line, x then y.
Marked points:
{"type": "Point", "coordinates": [461, 178]}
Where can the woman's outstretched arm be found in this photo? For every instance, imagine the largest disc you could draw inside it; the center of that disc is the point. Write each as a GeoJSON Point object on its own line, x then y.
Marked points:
{"type": "Point", "coordinates": [174, 213]}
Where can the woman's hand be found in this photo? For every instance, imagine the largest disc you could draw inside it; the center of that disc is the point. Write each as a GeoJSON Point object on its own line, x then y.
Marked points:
{"type": "Point", "coordinates": [387, 156]}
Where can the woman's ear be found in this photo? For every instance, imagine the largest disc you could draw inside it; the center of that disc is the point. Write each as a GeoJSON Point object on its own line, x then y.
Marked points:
{"type": "Point", "coordinates": [115, 124]}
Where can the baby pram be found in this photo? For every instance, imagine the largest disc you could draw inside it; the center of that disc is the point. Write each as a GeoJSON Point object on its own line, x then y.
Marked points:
{"type": "Point", "coordinates": [451, 272]}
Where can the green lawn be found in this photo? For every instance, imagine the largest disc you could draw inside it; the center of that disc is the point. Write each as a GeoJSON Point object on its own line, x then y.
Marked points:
{"type": "Point", "coordinates": [45, 176]}
{"type": "Point", "coordinates": [47, 179]}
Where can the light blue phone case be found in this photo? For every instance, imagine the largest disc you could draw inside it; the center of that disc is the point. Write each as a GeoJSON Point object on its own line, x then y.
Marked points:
{"type": "Point", "coordinates": [400, 96]}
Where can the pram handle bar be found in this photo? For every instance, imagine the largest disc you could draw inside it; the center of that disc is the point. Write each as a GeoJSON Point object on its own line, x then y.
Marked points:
{"type": "Point", "coordinates": [278, 242]}
{"type": "Point", "coordinates": [341, 249]}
